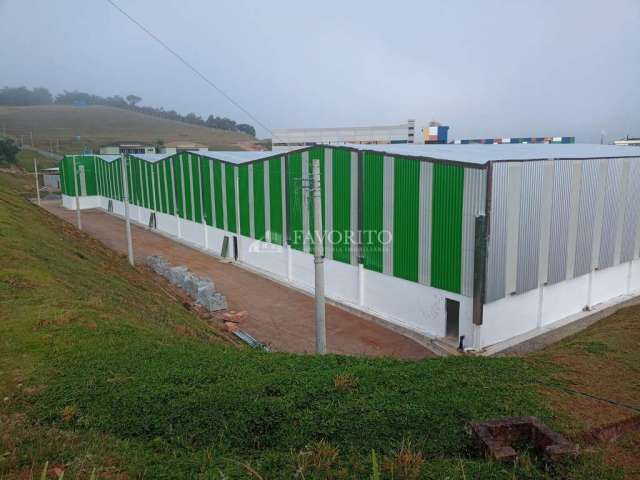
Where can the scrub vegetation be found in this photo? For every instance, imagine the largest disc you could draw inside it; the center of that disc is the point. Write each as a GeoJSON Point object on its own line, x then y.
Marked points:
{"type": "Point", "coordinates": [104, 376]}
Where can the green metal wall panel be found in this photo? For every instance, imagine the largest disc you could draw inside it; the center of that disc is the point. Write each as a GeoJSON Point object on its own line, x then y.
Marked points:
{"type": "Point", "coordinates": [177, 174]}
{"type": "Point", "coordinates": [275, 201]}
{"type": "Point", "coordinates": [108, 171]}
{"type": "Point", "coordinates": [258, 200]}
{"type": "Point", "coordinates": [295, 191]}
{"type": "Point", "coordinates": [372, 209]}
{"type": "Point", "coordinates": [137, 184]}
{"type": "Point", "coordinates": [316, 153]}
{"type": "Point", "coordinates": [405, 218]}
{"type": "Point", "coordinates": [170, 187]}
{"type": "Point", "coordinates": [205, 168]}
{"type": "Point", "coordinates": [88, 162]}
{"type": "Point", "coordinates": [156, 186]}
{"type": "Point", "coordinates": [446, 240]}
{"type": "Point", "coordinates": [197, 186]}
{"type": "Point", "coordinates": [117, 182]}
{"type": "Point", "coordinates": [217, 187]}
{"type": "Point", "coordinates": [187, 179]}
{"type": "Point", "coordinates": [243, 185]}
{"type": "Point", "coordinates": [341, 208]}
{"type": "Point", "coordinates": [146, 185]}
{"type": "Point", "coordinates": [162, 190]}
{"type": "Point", "coordinates": [230, 184]}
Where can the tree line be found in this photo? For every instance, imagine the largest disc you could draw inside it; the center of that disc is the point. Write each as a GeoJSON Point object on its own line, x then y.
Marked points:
{"type": "Point", "coordinates": [22, 96]}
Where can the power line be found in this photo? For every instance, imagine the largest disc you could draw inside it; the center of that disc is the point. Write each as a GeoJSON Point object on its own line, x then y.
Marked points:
{"type": "Point", "coordinates": [189, 66]}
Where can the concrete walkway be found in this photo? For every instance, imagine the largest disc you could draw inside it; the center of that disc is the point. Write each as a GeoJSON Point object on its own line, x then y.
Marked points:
{"type": "Point", "coordinates": [280, 317]}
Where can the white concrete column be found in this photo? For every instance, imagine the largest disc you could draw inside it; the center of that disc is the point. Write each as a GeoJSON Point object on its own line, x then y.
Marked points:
{"type": "Point", "coordinates": [289, 264]}
{"type": "Point", "coordinates": [360, 284]}
{"type": "Point", "coordinates": [540, 304]}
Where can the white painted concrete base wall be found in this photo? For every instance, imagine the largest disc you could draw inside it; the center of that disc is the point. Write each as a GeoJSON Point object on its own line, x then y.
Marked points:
{"type": "Point", "coordinates": [522, 314]}
{"type": "Point", "coordinates": [85, 202]}
{"type": "Point", "coordinates": [408, 304]}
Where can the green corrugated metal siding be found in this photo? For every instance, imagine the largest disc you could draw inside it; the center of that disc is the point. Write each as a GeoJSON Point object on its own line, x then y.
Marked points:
{"type": "Point", "coordinates": [217, 187]}
{"type": "Point", "coordinates": [117, 166]}
{"type": "Point", "coordinates": [68, 182]}
{"type": "Point", "coordinates": [205, 165]}
{"type": "Point", "coordinates": [146, 190]}
{"type": "Point", "coordinates": [138, 181]}
{"type": "Point", "coordinates": [258, 200]}
{"type": "Point", "coordinates": [446, 240]}
{"type": "Point", "coordinates": [275, 201]}
{"type": "Point", "coordinates": [318, 154]}
{"type": "Point", "coordinates": [341, 210]}
{"type": "Point", "coordinates": [187, 179]}
{"type": "Point", "coordinates": [177, 179]}
{"type": "Point", "coordinates": [161, 189]}
{"type": "Point", "coordinates": [294, 188]}
{"type": "Point", "coordinates": [372, 209]}
{"type": "Point", "coordinates": [197, 185]}
{"type": "Point", "coordinates": [230, 184]}
{"type": "Point", "coordinates": [243, 186]}
{"type": "Point", "coordinates": [156, 186]}
{"type": "Point", "coordinates": [153, 186]}
{"type": "Point", "coordinates": [170, 186]}
{"type": "Point", "coordinates": [405, 218]}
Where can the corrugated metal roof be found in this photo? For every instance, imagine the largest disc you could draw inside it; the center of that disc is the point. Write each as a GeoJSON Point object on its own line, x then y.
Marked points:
{"type": "Point", "coordinates": [480, 154]}
{"type": "Point", "coordinates": [108, 158]}
{"type": "Point", "coordinates": [151, 157]}
{"type": "Point", "coordinates": [239, 157]}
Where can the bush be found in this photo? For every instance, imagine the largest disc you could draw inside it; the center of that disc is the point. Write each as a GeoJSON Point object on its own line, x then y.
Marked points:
{"type": "Point", "coordinates": [8, 151]}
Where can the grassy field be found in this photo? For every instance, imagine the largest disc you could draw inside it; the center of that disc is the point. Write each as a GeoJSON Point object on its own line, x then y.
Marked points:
{"type": "Point", "coordinates": [97, 125]}
{"type": "Point", "coordinates": [102, 373]}
{"type": "Point", "coordinates": [26, 157]}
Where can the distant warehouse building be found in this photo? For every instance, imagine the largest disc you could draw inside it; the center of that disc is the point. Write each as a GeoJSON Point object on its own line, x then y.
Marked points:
{"type": "Point", "coordinates": [491, 242]}
{"type": "Point", "coordinates": [509, 140]}
{"type": "Point", "coordinates": [126, 148]}
{"type": "Point", "coordinates": [286, 139]}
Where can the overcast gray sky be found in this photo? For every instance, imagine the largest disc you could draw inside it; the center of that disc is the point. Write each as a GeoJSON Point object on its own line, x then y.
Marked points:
{"type": "Point", "coordinates": [486, 68]}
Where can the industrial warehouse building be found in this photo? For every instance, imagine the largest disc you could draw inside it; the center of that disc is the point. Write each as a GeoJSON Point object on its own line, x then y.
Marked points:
{"type": "Point", "coordinates": [489, 242]}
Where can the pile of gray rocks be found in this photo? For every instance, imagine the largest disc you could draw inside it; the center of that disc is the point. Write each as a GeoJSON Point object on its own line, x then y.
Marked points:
{"type": "Point", "coordinates": [202, 290]}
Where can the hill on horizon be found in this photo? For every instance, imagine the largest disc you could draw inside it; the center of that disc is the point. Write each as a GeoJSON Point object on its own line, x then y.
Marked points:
{"type": "Point", "coordinates": [86, 128]}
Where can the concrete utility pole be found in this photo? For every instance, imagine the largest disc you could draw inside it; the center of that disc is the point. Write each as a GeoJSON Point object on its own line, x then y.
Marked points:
{"type": "Point", "coordinates": [318, 259]}
{"type": "Point", "coordinates": [75, 184]}
{"type": "Point", "coordinates": [125, 191]}
{"type": "Point", "coordinates": [35, 172]}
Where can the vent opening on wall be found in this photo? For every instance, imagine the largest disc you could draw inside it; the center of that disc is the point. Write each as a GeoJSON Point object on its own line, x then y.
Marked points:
{"type": "Point", "coordinates": [110, 206]}
{"type": "Point", "coordinates": [153, 223]}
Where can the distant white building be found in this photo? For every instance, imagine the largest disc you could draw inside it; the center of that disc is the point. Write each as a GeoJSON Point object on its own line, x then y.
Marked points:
{"type": "Point", "coordinates": [127, 148]}
{"type": "Point", "coordinates": [628, 142]}
{"type": "Point", "coordinates": [286, 139]}
{"type": "Point", "coordinates": [183, 146]}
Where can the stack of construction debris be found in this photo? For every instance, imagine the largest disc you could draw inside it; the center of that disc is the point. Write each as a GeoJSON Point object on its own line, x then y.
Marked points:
{"type": "Point", "coordinates": [202, 290]}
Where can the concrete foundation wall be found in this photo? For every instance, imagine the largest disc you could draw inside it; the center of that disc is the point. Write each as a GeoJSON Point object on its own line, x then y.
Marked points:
{"type": "Point", "coordinates": [536, 309]}
{"type": "Point", "coordinates": [85, 202]}
{"type": "Point", "coordinates": [408, 304]}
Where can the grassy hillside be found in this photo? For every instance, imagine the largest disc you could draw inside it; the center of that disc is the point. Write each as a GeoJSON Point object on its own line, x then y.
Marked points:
{"type": "Point", "coordinates": [26, 157]}
{"type": "Point", "coordinates": [98, 125]}
{"type": "Point", "coordinates": [100, 371]}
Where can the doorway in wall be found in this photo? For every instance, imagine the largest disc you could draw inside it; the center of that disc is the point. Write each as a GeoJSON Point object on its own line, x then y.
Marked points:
{"type": "Point", "coordinates": [452, 311]}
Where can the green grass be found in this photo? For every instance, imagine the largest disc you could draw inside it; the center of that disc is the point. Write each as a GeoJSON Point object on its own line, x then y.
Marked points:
{"type": "Point", "coordinates": [26, 157]}
{"type": "Point", "coordinates": [76, 129]}
{"type": "Point", "coordinates": [100, 370]}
